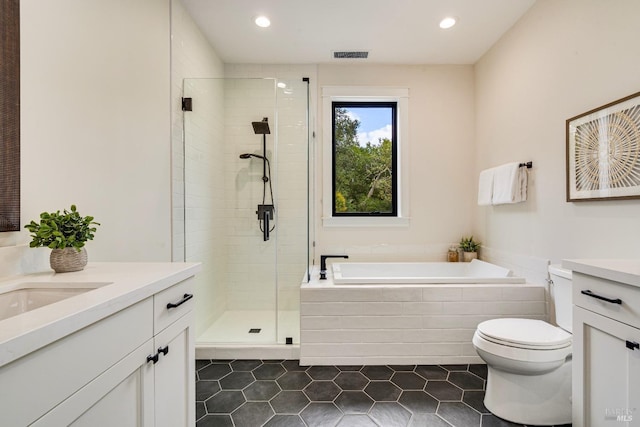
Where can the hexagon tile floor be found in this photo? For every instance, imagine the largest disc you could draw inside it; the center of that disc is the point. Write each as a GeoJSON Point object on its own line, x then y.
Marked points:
{"type": "Point", "coordinates": [277, 393]}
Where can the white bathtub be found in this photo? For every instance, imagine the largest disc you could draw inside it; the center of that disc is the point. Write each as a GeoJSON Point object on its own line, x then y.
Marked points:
{"type": "Point", "coordinates": [475, 272]}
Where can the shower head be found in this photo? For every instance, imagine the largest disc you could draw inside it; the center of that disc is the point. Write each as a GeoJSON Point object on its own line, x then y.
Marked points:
{"type": "Point", "coordinates": [261, 128]}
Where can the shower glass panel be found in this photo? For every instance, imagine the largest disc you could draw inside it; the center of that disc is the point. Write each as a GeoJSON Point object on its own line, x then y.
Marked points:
{"type": "Point", "coordinates": [248, 291]}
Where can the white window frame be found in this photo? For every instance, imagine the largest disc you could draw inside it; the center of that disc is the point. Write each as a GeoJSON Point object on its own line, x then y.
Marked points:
{"type": "Point", "coordinates": [366, 94]}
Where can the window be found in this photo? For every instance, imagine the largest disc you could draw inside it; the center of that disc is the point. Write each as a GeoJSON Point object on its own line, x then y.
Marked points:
{"type": "Point", "coordinates": [364, 146]}
{"type": "Point", "coordinates": [365, 171]}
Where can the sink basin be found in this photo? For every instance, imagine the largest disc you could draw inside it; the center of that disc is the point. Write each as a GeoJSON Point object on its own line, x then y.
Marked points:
{"type": "Point", "coordinates": [27, 296]}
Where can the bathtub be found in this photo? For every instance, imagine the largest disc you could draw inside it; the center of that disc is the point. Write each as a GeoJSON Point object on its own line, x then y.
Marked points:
{"type": "Point", "coordinates": [387, 313]}
{"type": "Point", "coordinates": [368, 273]}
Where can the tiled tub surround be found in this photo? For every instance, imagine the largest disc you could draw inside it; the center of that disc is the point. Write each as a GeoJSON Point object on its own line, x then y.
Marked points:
{"type": "Point", "coordinates": [405, 324]}
{"type": "Point", "coordinates": [270, 393]}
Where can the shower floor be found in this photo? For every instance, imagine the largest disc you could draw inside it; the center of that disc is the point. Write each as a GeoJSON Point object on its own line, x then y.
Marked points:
{"type": "Point", "coordinates": [234, 325]}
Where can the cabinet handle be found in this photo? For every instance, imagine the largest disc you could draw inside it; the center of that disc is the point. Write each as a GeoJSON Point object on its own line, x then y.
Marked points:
{"type": "Point", "coordinates": [600, 297]}
{"type": "Point", "coordinates": [164, 350]}
{"type": "Point", "coordinates": [185, 298]}
{"type": "Point", "coordinates": [153, 358]}
{"type": "Point", "coordinates": [631, 345]}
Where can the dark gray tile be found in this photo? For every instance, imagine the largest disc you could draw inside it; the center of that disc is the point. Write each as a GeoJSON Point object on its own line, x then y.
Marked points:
{"type": "Point", "coordinates": [293, 365]}
{"type": "Point", "coordinates": [427, 420]}
{"type": "Point", "coordinates": [245, 365]}
{"type": "Point", "coordinates": [201, 410]}
{"type": "Point", "coordinates": [377, 372]}
{"type": "Point", "coordinates": [268, 371]}
{"type": "Point", "coordinates": [475, 399]}
{"type": "Point", "coordinates": [289, 402]}
{"type": "Point", "coordinates": [215, 421]}
{"type": "Point", "coordinates": [214, 371]}
{"type": "Point", "coordinates": [459, 414]}
{"type": "Point", "coordinates": [261, 390]}
{"type": "Point", "coordinates": [432, 372]}
{"type": "Point", "coordinates": [225, 402]}
{"type": "Point", "coordinates": [352, 420]}
{"type": "Point", "coordinates": [491, 420]}
{"type": "Point", "coordinates": [252, 414]}
{"type": "Point", "coordinates": [285, 421]}
{"type": "Point", "coordinates": [479, 369]}
{"type": "Point", "coordinates": [408, 381]}
{"type": "Point", "coordinates": [206, 389]}
{"type": "Point", "coordinates": [443, 390]}
{"type": "Point", "coordinates": [202, 363]}
{"type": "Point", "coordinates": [402, 367]}
{"type": "Point", "coordinates": [322, 391]}
{"type": "Point", "coordinates": [390, 414]}
{"type": "Point", "coordinates": [383, 391]}
{"type": "Point", "coordinates": [455, 367]}
{"type": "Point", "coordinates": [418, 401]}
{"type": "Point", "coordinates": [351, 380]}
{"type": "Point", "coordinates": [293, 380]}
{"type": "Point", "coordinates": [354, 402]}
{"type": "Point", "coordinates": [350, 367]}
{"type": "Point", "coordinates": [323, 372]}
{"type": "Point", "coordinates": [466, 380]}
{"type": "Point", "coordinates": [321, 414]}
{"type": "Point", "coordinates": [236, 380]}
{"type": "Point", "coordinates": [400, 400]}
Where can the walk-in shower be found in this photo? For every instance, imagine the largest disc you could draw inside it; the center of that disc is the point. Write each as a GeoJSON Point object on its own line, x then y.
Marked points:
{"type": "Point", "coordinates": [236, 190]}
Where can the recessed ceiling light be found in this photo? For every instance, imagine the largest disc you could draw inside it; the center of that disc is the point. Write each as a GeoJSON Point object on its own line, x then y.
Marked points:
{"type": "Point", "coordinates": [282, 85]}
{"type": "Point", "coordinates": [447, 22]}
{"type": "Point", "coordinates": [262, 21]}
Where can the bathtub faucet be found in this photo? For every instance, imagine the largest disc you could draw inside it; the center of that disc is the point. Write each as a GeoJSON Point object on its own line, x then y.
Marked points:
{"type": "Point", "coordinates": [323, 264]}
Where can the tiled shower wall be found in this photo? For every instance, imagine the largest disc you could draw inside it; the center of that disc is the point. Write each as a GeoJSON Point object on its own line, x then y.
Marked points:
{"type": "Point", "coordinates": [256, 265]}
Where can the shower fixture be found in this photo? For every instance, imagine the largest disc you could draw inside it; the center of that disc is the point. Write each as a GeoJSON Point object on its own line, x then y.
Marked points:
{"type": "Point", "coordinates": [265, 211]}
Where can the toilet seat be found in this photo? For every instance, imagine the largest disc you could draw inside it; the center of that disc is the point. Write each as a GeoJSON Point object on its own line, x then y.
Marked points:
{"type": "Point", "coordinates": [528, 334]}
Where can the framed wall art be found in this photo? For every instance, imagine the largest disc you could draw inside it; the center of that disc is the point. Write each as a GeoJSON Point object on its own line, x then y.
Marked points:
{"type": "Point", "coordinates": [603, 152]}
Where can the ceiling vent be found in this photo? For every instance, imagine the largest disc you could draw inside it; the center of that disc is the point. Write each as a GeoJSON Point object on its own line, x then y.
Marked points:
{"type": "Point", "coordinates": [351, 54]}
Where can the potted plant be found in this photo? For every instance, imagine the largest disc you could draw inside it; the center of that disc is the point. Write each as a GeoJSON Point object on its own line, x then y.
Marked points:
{"type": "Point", "coordinates": [469, 248]}
{"type": "Point", "coordinates": [66, 233]}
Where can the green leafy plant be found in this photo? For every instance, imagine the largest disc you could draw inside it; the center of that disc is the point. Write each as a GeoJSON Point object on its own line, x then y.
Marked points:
{"type": "Point", "coordinates": [61, 230]}
{"type": "Point", "coordinates": [467, 244]}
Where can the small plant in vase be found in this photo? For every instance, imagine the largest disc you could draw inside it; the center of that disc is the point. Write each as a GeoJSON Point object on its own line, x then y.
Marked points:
{"type": "Point", "coordinates": [66, 234]}
{"type": "Point", "coordinates": [469, 248]}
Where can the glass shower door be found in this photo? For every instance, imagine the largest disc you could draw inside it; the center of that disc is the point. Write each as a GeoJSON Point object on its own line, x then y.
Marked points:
{"type": "Point", "coordinates": [229, 175]}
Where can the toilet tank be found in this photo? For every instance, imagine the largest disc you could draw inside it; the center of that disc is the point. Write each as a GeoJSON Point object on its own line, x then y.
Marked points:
{"type": "Point", "coordinates": [561, 294]}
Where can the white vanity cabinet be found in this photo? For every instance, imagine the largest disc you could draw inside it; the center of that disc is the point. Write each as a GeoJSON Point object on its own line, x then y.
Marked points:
{"type": "Point", "coordinates": [606, 344]}
{"type": "Point", "coordinates": [135, 367]}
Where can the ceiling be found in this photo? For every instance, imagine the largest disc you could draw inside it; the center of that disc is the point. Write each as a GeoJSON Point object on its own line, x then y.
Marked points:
{"type": "Point", "coordinates": [393, 31]}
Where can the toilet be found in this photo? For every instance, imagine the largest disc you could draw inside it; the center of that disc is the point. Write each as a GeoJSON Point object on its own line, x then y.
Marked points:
{"type": "Point", "coordinates": [529, 362]}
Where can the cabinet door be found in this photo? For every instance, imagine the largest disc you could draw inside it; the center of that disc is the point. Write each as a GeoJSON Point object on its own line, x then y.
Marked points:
{"type": "Point", "coordinates": [606, 372]}
{"type": "Point", "coordinates": [175, 375]}
{"type": "Point", "coordinates": [122, 396]}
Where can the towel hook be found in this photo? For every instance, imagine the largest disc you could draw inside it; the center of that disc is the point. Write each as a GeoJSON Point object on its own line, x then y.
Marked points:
{"type": "Point", "coordinates": [529, 165]}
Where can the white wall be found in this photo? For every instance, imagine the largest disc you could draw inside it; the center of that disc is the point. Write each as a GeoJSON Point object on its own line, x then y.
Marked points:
{"type": "Point", "coordinates": [561, 59]}
{"type": "Point", "coordinates": [95, 124]}
{"type": "Point", "coordinates": [442, 152]}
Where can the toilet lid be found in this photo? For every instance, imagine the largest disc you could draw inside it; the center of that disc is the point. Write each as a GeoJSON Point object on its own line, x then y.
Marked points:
{"type": "Point", "coordinates": [525, 333]}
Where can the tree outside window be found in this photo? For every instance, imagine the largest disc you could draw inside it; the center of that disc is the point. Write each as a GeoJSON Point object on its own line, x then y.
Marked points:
{"type": "Point", "coordinates": [364, 159]}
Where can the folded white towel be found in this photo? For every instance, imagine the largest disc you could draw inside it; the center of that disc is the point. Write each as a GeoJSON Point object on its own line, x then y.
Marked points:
{"type": "Point", "coordinates": [509, 184]}
{"type": "Point", "coordinates": [485, 187]}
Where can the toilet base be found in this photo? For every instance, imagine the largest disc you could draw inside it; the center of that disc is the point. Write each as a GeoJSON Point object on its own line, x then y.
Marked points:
{"type": "Point", "coordinates": [530, 399]}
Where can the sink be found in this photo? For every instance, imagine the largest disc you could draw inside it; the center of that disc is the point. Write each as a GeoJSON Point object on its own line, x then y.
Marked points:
{"type": "Point", "coordinates": [26, 296]}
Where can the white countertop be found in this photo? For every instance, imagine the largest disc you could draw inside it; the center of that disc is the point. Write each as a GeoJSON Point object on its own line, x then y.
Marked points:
{"type": "Point", "coordinates": [625, 271]}
{"type": "Point", "coordinates": [131, 283]}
